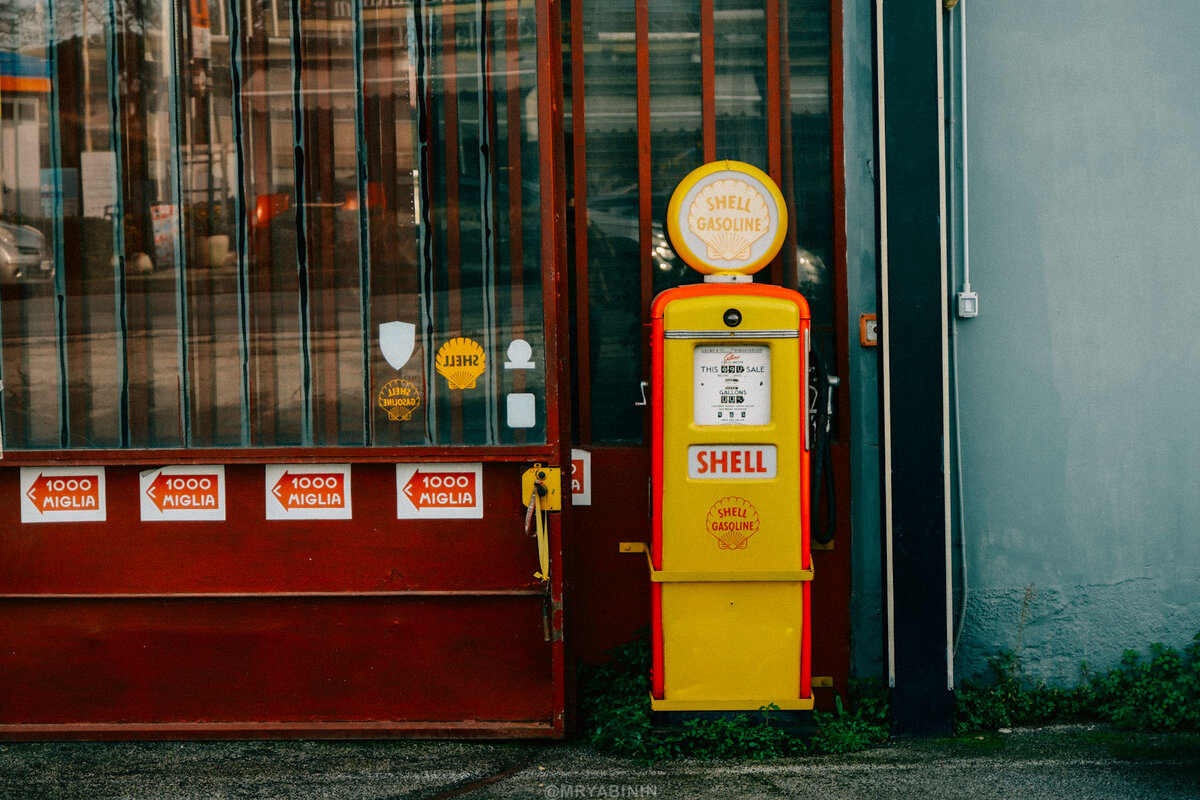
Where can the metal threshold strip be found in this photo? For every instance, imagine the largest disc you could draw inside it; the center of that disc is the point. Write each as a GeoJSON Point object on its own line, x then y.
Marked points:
{"type": "Point", "coordinates": [340, 729]}
{"type": "Point", "coordinates": [271, 595]}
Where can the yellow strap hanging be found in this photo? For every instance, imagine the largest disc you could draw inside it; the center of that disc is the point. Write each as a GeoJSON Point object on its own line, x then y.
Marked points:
{"type": "Point", "coordinates": [535, 516]}
{"type": "Point", "coordinates": [543, 540]}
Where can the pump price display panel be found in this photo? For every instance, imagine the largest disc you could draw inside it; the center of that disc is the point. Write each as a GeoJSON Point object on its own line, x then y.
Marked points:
{"type": "Point", "coordinates": [732, 385]}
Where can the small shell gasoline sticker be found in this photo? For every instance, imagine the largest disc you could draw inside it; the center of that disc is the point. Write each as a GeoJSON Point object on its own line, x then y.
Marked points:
{"type": "Point", "coordinates": [732, 521]}
{"type": "Point", "coordinates": [399, 399]}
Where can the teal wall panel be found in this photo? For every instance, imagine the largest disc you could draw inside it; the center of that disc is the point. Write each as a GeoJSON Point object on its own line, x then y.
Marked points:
{"type": "Point", "coordinates": [867, 600]}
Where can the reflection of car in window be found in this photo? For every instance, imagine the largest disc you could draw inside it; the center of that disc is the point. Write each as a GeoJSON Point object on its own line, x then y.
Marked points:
{"type": "Point", "coordinates": [24, 256]}
{"type": "Point", "coordinates": [615, 217]}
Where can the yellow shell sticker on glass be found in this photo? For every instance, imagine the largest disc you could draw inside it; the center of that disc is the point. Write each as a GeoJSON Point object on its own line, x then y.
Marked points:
{"type": "Point", "coordinates": [732, 520]}
{"type": "Point", "coordinates": [460, 361]}
{"type": "Point", "coordinates": [727, 217]}
{"type": "Point", "coordinates": [399, 399]}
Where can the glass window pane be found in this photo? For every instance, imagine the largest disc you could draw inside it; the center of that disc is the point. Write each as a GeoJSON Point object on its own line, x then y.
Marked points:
{"type": "Point", "coordinates": [469, 281]}
{"type": "Point", "coordinates": [740, 80]}
{"type": "Point", "coordinates": [29, 315]}
{"type": "Point", "coordinates": [614, 261]}
{"type": "Point", "coordinates": [272, 224]}
{"type": "Point", "coordinates": [676, 124]}
{"type": "Point", "coordinates": [739, 106]}
{"type": "Point", "coordinates": [807, 90]}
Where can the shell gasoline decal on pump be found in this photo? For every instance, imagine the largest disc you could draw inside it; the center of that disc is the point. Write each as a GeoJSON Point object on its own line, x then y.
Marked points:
{"type": "Point", "coordinates": [732, 520]}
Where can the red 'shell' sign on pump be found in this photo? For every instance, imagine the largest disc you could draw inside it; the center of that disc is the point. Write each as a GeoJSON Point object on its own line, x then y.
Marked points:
{"type": "Point", "coordinates": [439, 491]}
{"type": "Point", "coordinates": [308, 491]}
{"type": "Point", "coordinates": [183, 493]}
{"type": "Point", "coordinates": [62, 494]}
{"type": "Point", "coordinates": [716, 461]}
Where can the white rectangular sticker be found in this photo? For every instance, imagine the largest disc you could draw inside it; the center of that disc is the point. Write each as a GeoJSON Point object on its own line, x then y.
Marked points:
{"type": "Point", "coordinates": [439, 491]}
{"type": "Point", "coordinates": [182, 493]}
{"type": "Point", "coordinates": [731, 384]}
{"type": "Point", "coordinates": [715, 461]}
{"type": "Point", "coordinates": [308, 491]}
{"type": "Point", "coordinates": [581, 478]}
{"type": "Point", "coordinates": [62, 494]}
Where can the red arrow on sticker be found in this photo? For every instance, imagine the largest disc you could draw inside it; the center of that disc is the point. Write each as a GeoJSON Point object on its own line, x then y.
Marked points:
{"type": "Point", "coordinates": [441, 489]}
{"type": "Point", "coordinates": [184, 491]}
{"type": "Point", "coordinates": [310, 490]}
{"type": "Point", "coordinates": [64, 493]}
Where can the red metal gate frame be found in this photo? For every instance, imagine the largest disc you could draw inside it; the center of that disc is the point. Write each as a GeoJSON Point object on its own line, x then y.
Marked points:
{"type": "Point", "coordinates": [552, 180]}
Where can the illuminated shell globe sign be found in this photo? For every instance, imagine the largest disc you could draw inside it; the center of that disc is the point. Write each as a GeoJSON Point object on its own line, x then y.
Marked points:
{"type": "Point", "coordinates": [727, 219]}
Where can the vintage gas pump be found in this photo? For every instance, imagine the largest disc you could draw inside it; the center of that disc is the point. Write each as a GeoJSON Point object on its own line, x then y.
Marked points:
{"type": "Point", "coordinates": [729, 560]}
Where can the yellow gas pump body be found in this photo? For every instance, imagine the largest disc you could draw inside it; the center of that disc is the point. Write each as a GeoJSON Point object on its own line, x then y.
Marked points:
{"type": "Point", "coordinates": [730, 560]}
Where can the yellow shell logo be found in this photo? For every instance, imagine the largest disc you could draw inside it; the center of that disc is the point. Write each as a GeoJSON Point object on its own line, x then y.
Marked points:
{"type": "Point", "coordinates": [732, 520]}
{"type": "Point", "coordinates": [729, 216]}
{"type": "Point", "coordinates": [460, 361]}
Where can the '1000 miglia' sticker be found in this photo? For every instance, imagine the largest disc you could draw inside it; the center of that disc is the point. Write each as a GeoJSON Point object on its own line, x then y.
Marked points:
{"type": "Point", "coordinates": [62, 494]}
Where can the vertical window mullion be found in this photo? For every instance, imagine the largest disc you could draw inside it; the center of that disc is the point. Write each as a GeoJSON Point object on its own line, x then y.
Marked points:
{"type": "Point", "coordinates": [453, 211]}
{"type": "Point", "coordinates": [786, 159]}
{"type": "Point", "coordinates": [115, 118]}
{"type": "Point", "coordinates": [182, 316]}
{"type": "Point", "coordinates": [708, 79]}
{"type": "Point", "coordinates": [240, 215]}
{"type": "Point", "coordinates": [301, 180]}
{"type": "Point", "coordinates": [422, 27]}
{"type": "Point", "coordinates": [645, 173]}
{"type": "Point", "coordinates": [487, 217]}
{"type": "Point", "coordinates": [773, 102]}
{"type": "Point", "coordinates": [583, 322]}
{"type": "Point", "coordinates": [60, 278]}
{"type": "Point", "coordinates": [364, 233]}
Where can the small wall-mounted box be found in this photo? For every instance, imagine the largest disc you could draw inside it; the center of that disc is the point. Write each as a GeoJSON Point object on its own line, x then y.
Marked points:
{"type": "Point", "coordinates": [868, 330]}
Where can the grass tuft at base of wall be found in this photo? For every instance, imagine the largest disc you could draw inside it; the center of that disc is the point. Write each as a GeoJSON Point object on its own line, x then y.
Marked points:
{"type": "Point", "coordinates": [1158, 693]}
{"type": "Point", "coordinates": [616, 717]}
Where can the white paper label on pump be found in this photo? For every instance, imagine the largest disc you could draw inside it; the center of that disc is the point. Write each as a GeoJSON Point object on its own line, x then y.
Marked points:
{"type": "Point", "coordinates": [732, 384]}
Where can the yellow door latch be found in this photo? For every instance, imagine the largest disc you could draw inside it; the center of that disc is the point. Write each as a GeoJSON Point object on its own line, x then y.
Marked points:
{"type": "Point", "coordinates": [547, 482]}
{"type": "Point", "coordinates": [541, 491]}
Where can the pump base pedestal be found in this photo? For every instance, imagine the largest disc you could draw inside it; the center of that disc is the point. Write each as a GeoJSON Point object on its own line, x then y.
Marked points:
{"type": "Point", "coordinates": [730, 706]}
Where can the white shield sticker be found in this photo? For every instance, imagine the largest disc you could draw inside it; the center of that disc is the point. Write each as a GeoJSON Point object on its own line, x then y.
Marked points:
{"type": "Point", "coordinates": [396, 340]}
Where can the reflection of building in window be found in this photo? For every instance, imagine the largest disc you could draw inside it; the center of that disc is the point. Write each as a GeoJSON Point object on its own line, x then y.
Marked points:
{"type": "Point", "coordinates": [24, 94]}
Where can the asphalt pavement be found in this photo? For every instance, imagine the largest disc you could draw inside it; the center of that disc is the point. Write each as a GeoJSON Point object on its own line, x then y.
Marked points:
{"type": "Point", "coordinates": [1077, 762]}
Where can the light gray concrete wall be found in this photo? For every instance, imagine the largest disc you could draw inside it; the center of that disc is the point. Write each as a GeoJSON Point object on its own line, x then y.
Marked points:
{"type": "Point", "coordinates": [1080, 378]}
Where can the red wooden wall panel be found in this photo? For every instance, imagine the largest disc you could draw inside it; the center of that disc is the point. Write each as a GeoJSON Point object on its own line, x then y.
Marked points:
{"type": "Point", "coordinates": [274, 660]}
{"type": "Point", "coordinates": [248, 553]}
{"type": "Point", "coordinates": [252, 622]}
